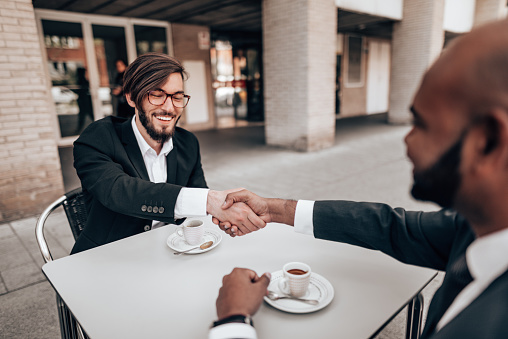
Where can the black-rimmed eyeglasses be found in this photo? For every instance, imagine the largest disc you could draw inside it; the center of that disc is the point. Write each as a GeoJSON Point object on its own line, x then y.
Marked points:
{"type": "Point", "coordinates": [158, 98]}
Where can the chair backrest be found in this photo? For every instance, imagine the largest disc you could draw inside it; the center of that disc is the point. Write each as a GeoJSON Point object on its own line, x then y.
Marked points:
{"type": "Point", "coordinates": [73, 203]}
{"type": "Point", "coordinates": [74, 207]}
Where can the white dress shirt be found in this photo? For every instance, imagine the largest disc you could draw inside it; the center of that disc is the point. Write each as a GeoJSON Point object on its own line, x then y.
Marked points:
{"type": "Point", "coordinates": [191, 202]}
{"type": "Point", "coordinates": [232, 330]}
{"type": "Point", "coordinates": [487, 259]}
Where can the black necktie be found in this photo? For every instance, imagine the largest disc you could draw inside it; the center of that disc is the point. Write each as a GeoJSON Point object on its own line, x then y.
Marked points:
{"type": "Point", "coordinates": [457, 277]}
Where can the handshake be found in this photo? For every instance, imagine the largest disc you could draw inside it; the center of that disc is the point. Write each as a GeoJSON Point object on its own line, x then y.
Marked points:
{"type": "Point", "coordinates": [238, 211]}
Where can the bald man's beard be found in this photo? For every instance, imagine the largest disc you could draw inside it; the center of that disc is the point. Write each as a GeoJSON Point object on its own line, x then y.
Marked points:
{"type": "Point", "coordinates": [159, 136]}
{"type": "Point", "coordinates": [441, 181]}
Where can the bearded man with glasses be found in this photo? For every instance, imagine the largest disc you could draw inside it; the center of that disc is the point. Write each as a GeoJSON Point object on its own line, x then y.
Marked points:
{"type": "Point", "coordinates": [144, 172]}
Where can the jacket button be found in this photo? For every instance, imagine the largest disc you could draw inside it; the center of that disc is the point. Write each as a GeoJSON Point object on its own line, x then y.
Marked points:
{"type": "Point", "coordinates": [143, 208]}
{"type": "Point", "coordinates": [161, 209]}
{"type": "Point", "coordinates": [155, 209]}
{"type": "Point", "coordinates": [149, 209]}
{"type": "Point", "coordinates": [147, 228]}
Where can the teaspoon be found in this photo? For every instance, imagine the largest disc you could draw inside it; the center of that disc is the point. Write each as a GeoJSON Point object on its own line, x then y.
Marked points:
{"type": "Point", "coordinates": [203, 246]}
{"type": "Point", "coordinates": [274, 296]}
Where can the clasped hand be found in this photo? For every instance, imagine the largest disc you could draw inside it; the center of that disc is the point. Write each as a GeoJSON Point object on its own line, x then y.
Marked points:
{"type": "Point", "coordinates": [237, 211]}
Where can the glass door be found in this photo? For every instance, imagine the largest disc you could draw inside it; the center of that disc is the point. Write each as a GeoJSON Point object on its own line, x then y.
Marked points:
{"type": "Point", "coordinates": [150, 39]}
{"type": "Point", "coordinates": [111, 58]}
{"type": "Point", "coordinates": [68, 71]}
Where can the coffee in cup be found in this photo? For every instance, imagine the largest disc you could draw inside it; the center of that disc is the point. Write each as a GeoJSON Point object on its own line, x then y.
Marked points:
{"type": "Point", "coordinates": [296, 271]}
{"type": "Point", "coordinates": [193, 231]}
{"type": "Point", "coordinates": [296, 279]}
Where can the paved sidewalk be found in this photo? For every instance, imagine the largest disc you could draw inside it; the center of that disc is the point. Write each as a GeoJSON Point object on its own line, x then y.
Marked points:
{"type": "Point", "coordinates": [367, 163]}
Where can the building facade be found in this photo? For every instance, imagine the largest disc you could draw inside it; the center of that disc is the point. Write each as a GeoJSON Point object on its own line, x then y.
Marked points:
{"type": "Point", "coordinates": [312, 61]}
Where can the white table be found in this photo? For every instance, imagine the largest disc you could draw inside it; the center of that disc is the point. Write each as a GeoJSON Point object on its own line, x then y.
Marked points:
{"type": "Point", "coordinates": [136, 287]}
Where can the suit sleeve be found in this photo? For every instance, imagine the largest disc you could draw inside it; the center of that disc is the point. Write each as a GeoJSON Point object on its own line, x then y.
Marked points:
{"type": "Point", "coordinates": [105, 171]}
{"type": "Point", "coordinates": [418, 238]}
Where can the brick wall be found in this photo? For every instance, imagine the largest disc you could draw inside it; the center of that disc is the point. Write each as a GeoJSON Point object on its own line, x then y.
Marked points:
{"type": "Point", "coordinates": [299, 56]}
{"type": "Point", "coordinates": [417, 42]}
{"type": "Point", "coordinates": [30, 176]}
{"type": "Point", "coordinates": [488, 10]}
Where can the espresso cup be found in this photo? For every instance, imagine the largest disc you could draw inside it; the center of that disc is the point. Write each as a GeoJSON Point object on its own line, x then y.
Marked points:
{"type": "Point", "coordinates": [296, 278]}
{"type": "Point", "coordinates": [192, 231]}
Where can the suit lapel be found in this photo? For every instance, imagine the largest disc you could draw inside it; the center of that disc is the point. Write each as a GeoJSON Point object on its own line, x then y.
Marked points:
{"type": "Point", "coordinates": [171, 164]}
{"type": "Point", "coordinates": [133, 151]}
{"type": "Point", "coordinates": [449, 290]}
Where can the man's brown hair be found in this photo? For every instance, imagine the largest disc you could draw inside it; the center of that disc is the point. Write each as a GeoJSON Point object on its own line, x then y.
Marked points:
{"type": "Point", "coordinates": [149, 72]}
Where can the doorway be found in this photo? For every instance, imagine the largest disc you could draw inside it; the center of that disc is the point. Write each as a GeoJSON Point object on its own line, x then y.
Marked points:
{"type": "Point", "coordinates": [237, 83]}
{"type": "Point", "coordinates": [378, 76]}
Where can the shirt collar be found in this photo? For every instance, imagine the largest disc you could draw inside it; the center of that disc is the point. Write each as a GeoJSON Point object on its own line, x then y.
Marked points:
{"type": "Point", "coordinates": [143, 145]}
{"type": "Point", "coordinates": [487, 256]}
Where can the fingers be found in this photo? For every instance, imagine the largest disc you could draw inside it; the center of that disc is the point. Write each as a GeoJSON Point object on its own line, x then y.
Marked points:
{"type": "Point", "coordinates": [242, 292]}
{"type": "Point", "coordinates": [232, 190]}
{"type": "Point", "coordinates": [256, 221]}
{"type": "Point", "coordinates": [264, 279]}
{"type": "Point", "coordinates": [251, 275]}
{"type": "Point", "coordinates": [239, 196]}
{"type": "Point", "coordinates": [224, 225]}
{"type": "Point", "coordinates": [241, 216]}
{"type": "Point", "coordinates": [262, 283]}
{"type": "Point", "coordinates": [228, 228]}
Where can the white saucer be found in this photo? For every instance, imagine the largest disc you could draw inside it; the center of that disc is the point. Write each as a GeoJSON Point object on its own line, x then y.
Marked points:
{"type": "Point", "coordinates": [319, 288]}
{"type": "Point", "coordinates": [178, 243]}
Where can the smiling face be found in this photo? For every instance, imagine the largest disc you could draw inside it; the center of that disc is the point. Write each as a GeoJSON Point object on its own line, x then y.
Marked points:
{"type": "Point", "coordinates": [157, 123]}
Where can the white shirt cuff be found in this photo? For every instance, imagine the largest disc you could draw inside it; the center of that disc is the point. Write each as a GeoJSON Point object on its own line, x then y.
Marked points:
{"type": "Point", "coordinates": [232, 330]}
{"type": "Point", "coordinates": [303, 217]}
{"type": "Point", "coordinates": [191, 202]}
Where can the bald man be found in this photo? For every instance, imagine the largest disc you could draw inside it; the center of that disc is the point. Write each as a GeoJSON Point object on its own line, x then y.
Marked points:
{"type": "Point", "coordinates": [459, 148]}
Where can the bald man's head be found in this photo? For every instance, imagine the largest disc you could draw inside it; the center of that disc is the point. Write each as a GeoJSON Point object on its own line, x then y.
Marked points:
{"type": "Point", "coordinates": [472, 73]}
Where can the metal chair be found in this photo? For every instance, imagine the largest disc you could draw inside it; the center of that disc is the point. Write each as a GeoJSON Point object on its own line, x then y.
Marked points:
{"type": "Point", "coordinates": [74, 206]}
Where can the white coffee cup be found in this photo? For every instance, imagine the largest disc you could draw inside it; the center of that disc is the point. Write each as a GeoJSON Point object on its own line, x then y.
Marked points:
{"type": "Point", "coordinates": [192, 231]}
{"type": "Point", "coordinates": [296, 279]}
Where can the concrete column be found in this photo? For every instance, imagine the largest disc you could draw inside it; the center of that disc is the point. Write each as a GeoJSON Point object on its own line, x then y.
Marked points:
{"type": "Point", "coordinates": [30, 176]}
{"type": "Point", "coordinates": [417, 42]}
{"type": "Point", "coordinates": [488, 10]}
{"type": "Point", "coordinates": [299, 54]}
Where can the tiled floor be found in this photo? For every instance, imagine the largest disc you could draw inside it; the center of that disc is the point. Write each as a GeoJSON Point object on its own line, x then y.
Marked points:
{"type": "Point", "coordinates": [367, 163]}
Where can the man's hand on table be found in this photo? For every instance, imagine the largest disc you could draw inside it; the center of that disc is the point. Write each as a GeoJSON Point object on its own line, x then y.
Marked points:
{"type": "Point", "coordinates": [242, 292]}
{"type": "Point", "coordinates": [240, 215]}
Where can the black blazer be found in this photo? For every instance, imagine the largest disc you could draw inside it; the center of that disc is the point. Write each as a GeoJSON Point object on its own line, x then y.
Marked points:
{"type": "Point", "coordinates": [120, 199]}
{"type": "Point", "coordinates": [429, 239]}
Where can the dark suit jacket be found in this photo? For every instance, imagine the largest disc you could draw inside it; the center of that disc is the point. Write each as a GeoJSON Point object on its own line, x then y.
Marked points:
{"type": "Point", "coordinates": [429, 239]}
{"type": "Point", "coordinates": [119, 196]}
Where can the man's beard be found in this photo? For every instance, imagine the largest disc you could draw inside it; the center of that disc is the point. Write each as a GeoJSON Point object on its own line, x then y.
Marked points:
{"type": "Point", "coordinates": [159, 136]}
{"type": "Point", "coordinates": [441, 181]}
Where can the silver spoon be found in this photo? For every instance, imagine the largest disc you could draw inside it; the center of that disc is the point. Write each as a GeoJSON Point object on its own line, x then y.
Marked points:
{"type": "Point", "coordinates": [203, 246]}
{"type": "Point", "coordinates": [274, 296]}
